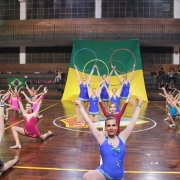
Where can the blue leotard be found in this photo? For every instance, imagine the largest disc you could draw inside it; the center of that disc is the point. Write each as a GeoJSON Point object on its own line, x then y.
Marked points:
{"type": "Point", "coordinates": [115, 100]}
{"type": "Point", "coordinates": [125, 90]}
{"type": "Point", "coordinates": [104, 94]}
{"type": "Point", "coordinates": [113, 160]}
{"type": "Point", "coordinates": [172, 111]}
{"type": "Point", "coordinates": [83, 95]}
{"type": "Point", "coordinates": [93, 107]}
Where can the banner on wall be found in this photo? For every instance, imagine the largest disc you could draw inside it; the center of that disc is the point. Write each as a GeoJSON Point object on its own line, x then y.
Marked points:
{"type": "Point", "coordinates": [105, 54]}
{"type": "Point", "coordinates": [16, 82]}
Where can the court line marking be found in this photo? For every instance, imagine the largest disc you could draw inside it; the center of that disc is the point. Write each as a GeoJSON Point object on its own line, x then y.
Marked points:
{"type": "Point", "coordinates": [77, 130]}
{"type": "Point", "coordinates": [23, 119]}
{"type": "Point", "coordinates": [85, 170]}
{"type": "Point", "coordinates": [160, 107]}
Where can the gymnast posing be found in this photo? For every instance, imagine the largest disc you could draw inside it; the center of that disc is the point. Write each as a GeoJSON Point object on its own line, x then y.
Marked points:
{"type": "Point", "coordinates": [30, 129]}
{"type": "Point", "coordinates": [112, 147]}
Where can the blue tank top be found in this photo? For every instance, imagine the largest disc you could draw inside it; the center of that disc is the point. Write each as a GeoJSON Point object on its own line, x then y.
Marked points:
{"type": "Point", "coordinates": [83, 96]}
{"type": "Point", "coordinates": [113, 159]}
{"type": "Point", "coordinates": [172, 110]}
{"type": "Point", "coordinates": [125, 90]}
{"type": "Point", "coordinates": [115, 100]}
{"type": "Point", "coordinates": [104, 94]}
{"type": "Point", "coordinates": [93, 105]}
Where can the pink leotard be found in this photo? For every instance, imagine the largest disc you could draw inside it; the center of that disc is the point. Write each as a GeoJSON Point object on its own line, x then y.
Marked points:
{"type": "Point", "coordinates": [14, 103]}
{"type": "Point", "coordinates": [30, 127]}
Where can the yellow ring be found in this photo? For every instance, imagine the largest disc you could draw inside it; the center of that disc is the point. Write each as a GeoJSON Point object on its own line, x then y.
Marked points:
{"type": "Point", "coordinates": [96, 60]}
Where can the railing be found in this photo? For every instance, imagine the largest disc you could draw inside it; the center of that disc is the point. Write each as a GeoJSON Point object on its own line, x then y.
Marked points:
{"type": "Point", "coordinates": [150, 32]}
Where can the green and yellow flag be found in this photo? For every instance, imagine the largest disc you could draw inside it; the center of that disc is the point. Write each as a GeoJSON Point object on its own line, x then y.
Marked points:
{"type": "Point", "coordinates": [105, 54]}
{"type": "Point", "coordinates": [16, 82]}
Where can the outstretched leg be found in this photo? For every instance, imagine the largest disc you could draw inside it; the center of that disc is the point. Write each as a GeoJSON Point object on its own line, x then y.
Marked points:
{"type": "Point", "coordinates": [15, 130]}
{"type": "Point", "coordinates": [46, 135]}
{"type": "Point", "coordinates": [9, 164]}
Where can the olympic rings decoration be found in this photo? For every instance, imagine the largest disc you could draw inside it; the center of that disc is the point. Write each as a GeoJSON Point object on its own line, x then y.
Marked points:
{"type": "Point", "coordinates": [96, 61]}
{"type": "Point", "coordinates": [81, 50]}
{"type": "Point", "coordinates": [127, 51]}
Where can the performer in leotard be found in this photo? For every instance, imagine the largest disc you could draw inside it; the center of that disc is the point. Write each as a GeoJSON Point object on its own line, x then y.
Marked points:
{"type": "Point", "coordinates": [112, 112]}
{"type": "Point", "coordinates": [30, 129]}
{"type": "Point", "coordinates": [34, 101]}
{"type": "Point", "coordinates": [83, 95]}
{"type": "Point", "coordinates": [125, 87]}
{"type": "Point", "coordinates": [9, 164]}
{"type": "Point", "coordinates": [114, 98]}
{"type": "Point", "coordinates": [172, 111]}
{"type": "Point", "coordinates": [93, 107]}
{"type": "Point", "coordinates": [104, 94]}
{"type": "Point", "coordinates": [112, 147]}
{"type": "Point", "coordinates": [13, 102]}
{"type": "Point", "coordinates": [32, 91]}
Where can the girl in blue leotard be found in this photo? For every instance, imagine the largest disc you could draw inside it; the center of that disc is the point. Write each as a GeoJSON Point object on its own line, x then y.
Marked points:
{"type": "Point", "coordinates": [83, 86]}
{"type": "Point", "coordinates": [125, 83]}
{"type": "Point", "coordinates": [114, 98]}
{"type": "Point", "coordinates": [104, 94]}
{"type": "Point", "coordinates": [93, 104]}
{"type": "Point", "coordinates": [112, 147]}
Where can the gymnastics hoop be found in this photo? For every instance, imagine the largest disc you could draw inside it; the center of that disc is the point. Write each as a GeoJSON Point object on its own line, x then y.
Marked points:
{"type": "Point", "coordinates": [96, 61]}
{"type": "Point", "coordinates": [81, 50]}
{"type": "Point", "coordinates": [124, 50]}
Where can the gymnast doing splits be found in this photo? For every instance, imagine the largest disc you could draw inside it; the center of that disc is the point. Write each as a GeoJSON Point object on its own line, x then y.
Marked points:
{"type": "Point", "coordinates": [30, 129]}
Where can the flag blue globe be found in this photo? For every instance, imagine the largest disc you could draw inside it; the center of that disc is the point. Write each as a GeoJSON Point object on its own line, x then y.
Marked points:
{"type": "Point", "coordinates": [16, 82]}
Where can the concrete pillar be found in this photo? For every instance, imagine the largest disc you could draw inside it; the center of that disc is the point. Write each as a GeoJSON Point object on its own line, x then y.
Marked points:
{"type": "Point", "coordinates": [22, 55]}
{"type": "Point", "coordinates": [98, 8]}
{"type": "Point", "coordinates": [176, 57]}
{"type": "Point", "coordinates": [177, 9]}
{"type": "Point", "coordinates": [23, 9]}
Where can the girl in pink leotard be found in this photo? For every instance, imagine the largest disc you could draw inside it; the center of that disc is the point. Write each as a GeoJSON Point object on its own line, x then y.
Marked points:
{"type": "Point", "coordinates": [34, 101]}
{"type": "Point", "coordinates": [30, 128]}
{"type": "Point", "coordinates": [13, 102]}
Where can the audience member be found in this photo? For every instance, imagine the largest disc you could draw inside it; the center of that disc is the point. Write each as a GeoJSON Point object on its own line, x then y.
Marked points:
{"type": "Point", "coordinates": [171, 75]}
{"type": "Point", "coordinates": [161, 75]}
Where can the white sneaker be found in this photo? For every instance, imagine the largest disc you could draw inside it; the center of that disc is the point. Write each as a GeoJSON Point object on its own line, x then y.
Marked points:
{"type": "Point", "coordinates": [166, 119]}
{"type": "Point", "coordinates": [172, 125]}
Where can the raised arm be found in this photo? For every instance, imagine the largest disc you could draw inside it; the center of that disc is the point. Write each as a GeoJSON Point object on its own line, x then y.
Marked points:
{"type": "Point", "coordinates": [165, 92]}
{"type": "Point", "coordinates": [27, 98]}
{"type": "Point", "coordinates": [126, 133]}
{"type": "Point", "coordinates": [90, 76]}
{"type": "Point", "coordinates": [99, 76]}
{"type": "Point", "coordinates": [120, 80]}
{"type": "Point", "coordinates": [40, 101]}
{"type": "Point", "coordinates": [21, 106]}
{"type": "Point", "coordinates": [38, 88]}
{"type": "Point", "coordinates": [130, 80]}
{"type": "Point", "coordinates": [10, 89]}
{"type": "Point", "coordinates": [109, 77]}
{"type": "Point", "coordinates": [28, 89]}
{"type": "Point", "coordinates": [19, 90]}
{"type": "Point", "coordinates": [77, 73]}
{"type": "Point", "coordinates": [98, 135]}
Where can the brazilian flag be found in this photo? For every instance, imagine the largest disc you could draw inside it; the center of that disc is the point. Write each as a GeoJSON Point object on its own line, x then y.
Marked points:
{"type": "Point", "coordinates": [122, 54]}
{"type": "Point", "coordinates": [16, 82]}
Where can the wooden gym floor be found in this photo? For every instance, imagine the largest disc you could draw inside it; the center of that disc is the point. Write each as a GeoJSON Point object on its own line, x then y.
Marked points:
{"type": "Point", "coordinates": [153, 149]}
